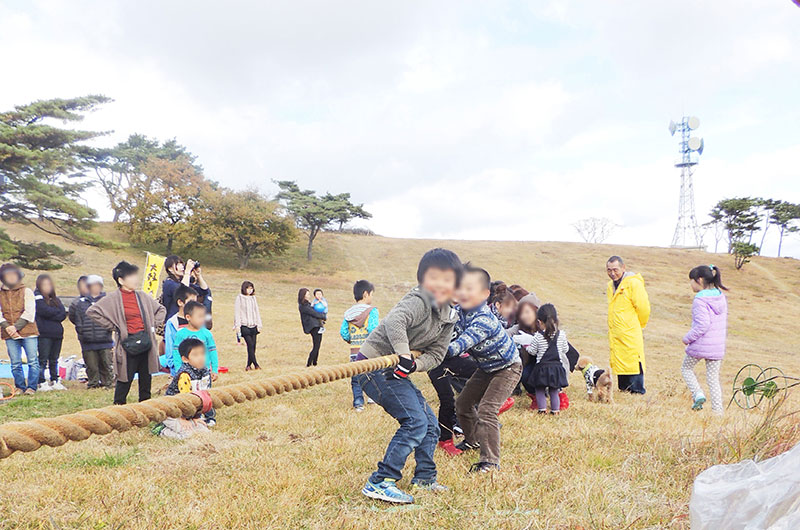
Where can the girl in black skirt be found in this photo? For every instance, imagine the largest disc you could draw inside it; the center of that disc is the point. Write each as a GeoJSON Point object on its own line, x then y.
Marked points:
{"type": "Point", "coordinates": [549, 347]}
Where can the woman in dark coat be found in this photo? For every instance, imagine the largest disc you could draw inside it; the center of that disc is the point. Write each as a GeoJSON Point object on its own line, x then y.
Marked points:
{"type": "Point", "coordinates": [50, 313]}
{"type": "Point", "coordinates": [312, 323]}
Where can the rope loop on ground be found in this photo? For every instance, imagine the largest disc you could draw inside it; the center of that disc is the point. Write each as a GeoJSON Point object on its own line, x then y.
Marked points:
{"type": "Point", "coordinates": [30, 435]}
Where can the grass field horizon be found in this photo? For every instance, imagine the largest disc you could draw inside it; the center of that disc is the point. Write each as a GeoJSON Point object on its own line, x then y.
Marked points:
{"type": "Point", "coordinates": [299, 460]}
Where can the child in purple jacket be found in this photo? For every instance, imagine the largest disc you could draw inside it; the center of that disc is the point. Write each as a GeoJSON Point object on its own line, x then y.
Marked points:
{"type": "Point", "coordinates": [706, 339]}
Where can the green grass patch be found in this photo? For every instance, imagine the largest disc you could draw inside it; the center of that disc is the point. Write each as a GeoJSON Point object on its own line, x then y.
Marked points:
{"type": "Point", "coordinates": [49, 404]}
{"type": "Point", "coordinates": [106, 460]}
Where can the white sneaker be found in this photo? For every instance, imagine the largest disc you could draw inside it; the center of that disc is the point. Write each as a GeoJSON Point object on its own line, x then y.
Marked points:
{"type": "Point", "coordinates": [58, 386]}
{"type": "Point", "coordinates": [370, 401]}
{"type": "Point", "coordinates": [45, 387]}
{"type": "Point", "coordinates": [358, 409]}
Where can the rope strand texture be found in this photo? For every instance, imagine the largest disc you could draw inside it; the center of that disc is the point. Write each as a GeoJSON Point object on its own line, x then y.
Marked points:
{"type": "Point", "coordinates": [30, 435]}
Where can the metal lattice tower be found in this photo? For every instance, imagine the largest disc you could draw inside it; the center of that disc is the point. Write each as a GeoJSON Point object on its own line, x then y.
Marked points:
{"type": "Point", "coordinates": [687, 232]}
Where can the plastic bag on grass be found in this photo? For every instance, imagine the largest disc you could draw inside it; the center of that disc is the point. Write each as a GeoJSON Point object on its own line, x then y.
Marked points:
{"type": "Point", "coordinates": [749, 495]}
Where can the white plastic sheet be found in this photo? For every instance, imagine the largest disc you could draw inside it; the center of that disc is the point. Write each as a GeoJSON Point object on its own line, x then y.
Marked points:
{"type": "Point", "coordinates": [749, 495]}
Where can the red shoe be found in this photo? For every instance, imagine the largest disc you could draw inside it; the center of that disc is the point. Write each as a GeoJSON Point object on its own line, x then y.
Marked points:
{"type": "Point", "coordinates": [564, 400]}
{"type": "Point", "coordinates": [507, 405]}
{"type": "Point", "coordinates": [448, 447]}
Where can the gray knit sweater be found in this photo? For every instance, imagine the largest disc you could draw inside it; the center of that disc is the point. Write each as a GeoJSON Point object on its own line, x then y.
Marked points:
{"type": "Point", "coordinates": [415, 323]}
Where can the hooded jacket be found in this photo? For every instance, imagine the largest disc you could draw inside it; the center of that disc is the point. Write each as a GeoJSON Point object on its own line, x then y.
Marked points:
{"type": "Point", "coordinates": [415, 323]}
{"type": "Point", "coordinates": [628, 313]}
{"type": "Point", "coordinates": [706, 339]}
{"type": "Point", "coordinates": [480, 333]}
{"type": "Point", "coordinates": [359, 321]}
{"type": "Point", "coordinates": [91, 335]}
{"type": "Point", "coordinates": [49, 317]}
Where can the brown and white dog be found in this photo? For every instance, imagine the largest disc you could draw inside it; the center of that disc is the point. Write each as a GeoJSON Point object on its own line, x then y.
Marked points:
{"type": "Point", "coordinates": [599, 386]}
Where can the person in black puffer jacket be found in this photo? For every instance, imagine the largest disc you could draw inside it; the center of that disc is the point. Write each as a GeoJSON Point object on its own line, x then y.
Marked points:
{"type": "Point", "coordinates": [96, 342]}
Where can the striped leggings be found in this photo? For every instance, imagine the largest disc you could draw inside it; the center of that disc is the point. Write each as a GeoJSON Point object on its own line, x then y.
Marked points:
{"type": "Point", "coordinates": [712, 378]}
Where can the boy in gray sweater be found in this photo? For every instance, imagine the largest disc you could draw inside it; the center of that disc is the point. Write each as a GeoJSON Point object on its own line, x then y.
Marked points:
{"type": "Point", "coordinates": [423, 320]}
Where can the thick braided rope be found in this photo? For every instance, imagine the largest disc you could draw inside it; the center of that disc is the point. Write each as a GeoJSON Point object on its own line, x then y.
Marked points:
{"type": "Point", "coordinates": [30, 435]}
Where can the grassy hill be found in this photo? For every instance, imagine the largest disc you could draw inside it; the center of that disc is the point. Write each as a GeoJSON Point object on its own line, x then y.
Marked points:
{"type": "Point", "coordinates": [299, 460]}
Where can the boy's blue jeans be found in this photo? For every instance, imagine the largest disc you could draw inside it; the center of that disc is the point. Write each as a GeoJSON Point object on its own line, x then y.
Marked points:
{"type": "Point", "coordinates": [418, 432]}
{"type": "Point", "coordinates": [358, 394]}
{"type": "Point", "coordinates": [31, 347]}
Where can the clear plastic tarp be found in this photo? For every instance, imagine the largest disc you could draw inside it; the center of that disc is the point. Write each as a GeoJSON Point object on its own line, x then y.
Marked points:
{"type": "Point", "coordinates": [749, 495]}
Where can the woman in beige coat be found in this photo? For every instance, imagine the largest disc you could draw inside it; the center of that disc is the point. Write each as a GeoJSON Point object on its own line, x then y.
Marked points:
{"type": "Point", "coordinates": [133, 316]}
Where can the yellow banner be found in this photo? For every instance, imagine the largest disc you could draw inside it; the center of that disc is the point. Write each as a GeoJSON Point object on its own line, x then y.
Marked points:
{"type": "Point", "coordinates": [152, 273]}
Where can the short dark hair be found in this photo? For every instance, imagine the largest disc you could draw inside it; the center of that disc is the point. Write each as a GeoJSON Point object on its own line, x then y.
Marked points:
{"type": "Point", "coordinates": [191, 306]}
{"type": "Point", "coordinates": [123, 270]}
{"type": "Point", "coordinates": [81, 279]}
{"type": "Point", "coordinates": [317, 290]}
{"type": "Point", "coordinates": [246, 284]}
{"type": "Point", "coordinates": [360, 288]}
{"type": "Point", "coordinates": [615, 258]}
{"type": "Point", "coordinates": [440, 258]}
{"type": "Point", "coordinates": [469, 268]}
{"type": "Point", "coordinates": [183, 292]}
{"type": "Point", "coordinates": [188, 344]}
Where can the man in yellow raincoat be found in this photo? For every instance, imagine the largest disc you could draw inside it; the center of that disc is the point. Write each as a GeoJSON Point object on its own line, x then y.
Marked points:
{"type": "Point", "coordinates": [628, 313]}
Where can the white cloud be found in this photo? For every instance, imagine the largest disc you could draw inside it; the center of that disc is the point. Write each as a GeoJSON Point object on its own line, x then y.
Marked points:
{"type": "Point", "coordinates": [451, 119]}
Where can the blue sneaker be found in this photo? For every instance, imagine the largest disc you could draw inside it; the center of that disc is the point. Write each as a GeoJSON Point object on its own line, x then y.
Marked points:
{"type": "Point", "coordinates": [698, 402]}
{"type": "Point", "coordinates": [387, 491]}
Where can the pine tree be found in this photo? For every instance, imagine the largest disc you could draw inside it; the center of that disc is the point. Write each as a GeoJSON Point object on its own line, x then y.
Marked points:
{"type": "Point", "coordinates": [42, 178]}
{"type": "Point", "coordinates": [313, 213]}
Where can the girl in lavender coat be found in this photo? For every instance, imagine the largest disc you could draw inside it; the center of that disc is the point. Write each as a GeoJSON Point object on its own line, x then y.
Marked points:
{"type": "Point", "coordinates": [706, 339]}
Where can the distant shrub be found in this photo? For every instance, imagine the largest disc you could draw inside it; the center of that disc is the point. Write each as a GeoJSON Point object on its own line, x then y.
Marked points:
{"type": "Point", "coordinates": [742, 252]}
{"type": "Point", "coordinates": [357, 231]}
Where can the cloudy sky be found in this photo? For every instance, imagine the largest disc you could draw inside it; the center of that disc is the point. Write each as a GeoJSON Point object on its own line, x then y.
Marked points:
{"type": "Point", "coordinates": [477, 120]}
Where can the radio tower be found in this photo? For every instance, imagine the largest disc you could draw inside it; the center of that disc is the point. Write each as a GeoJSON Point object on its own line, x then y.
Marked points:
{"type": "Point", "coordinates": [687, 233]}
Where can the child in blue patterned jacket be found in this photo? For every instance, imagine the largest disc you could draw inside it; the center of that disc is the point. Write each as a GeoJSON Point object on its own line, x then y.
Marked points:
{"type": "Point", "coordinates": [358, 323]}
{"type": "Point", "coordinates": [480, 333]}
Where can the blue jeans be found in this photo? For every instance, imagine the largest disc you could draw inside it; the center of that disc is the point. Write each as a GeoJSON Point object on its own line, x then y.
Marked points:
{"type": "Point", "coordinates": [358, 394]}
{"type": "Point", "coordinates": [632, 383]}
{"type": "Point", "coordinates": [31, 347]}
{"type": "Point", "coordinates": [418, 432]}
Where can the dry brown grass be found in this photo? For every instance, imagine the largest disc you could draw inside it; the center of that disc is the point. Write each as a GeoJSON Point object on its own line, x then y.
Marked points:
{"type": "Point", "coordinates": [299, 460]}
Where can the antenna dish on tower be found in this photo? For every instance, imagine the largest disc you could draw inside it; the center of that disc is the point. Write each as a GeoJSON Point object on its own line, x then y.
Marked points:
{"type": "Point", "coordinates": [687, 231]}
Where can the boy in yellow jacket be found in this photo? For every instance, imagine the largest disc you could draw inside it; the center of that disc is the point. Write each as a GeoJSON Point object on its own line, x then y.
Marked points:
{"type": "Point", "coordinates": [628, 313]}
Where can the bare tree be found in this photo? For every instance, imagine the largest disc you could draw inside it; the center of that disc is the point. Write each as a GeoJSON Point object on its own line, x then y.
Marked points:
{"type": "Point", "coordinates": [719, 231]}
{"type": "Point", "coordinates": [595, 229]}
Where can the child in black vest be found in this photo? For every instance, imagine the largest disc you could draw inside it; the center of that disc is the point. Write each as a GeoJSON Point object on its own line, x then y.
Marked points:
{"type": "Point", "coordinates": [192, 376]}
